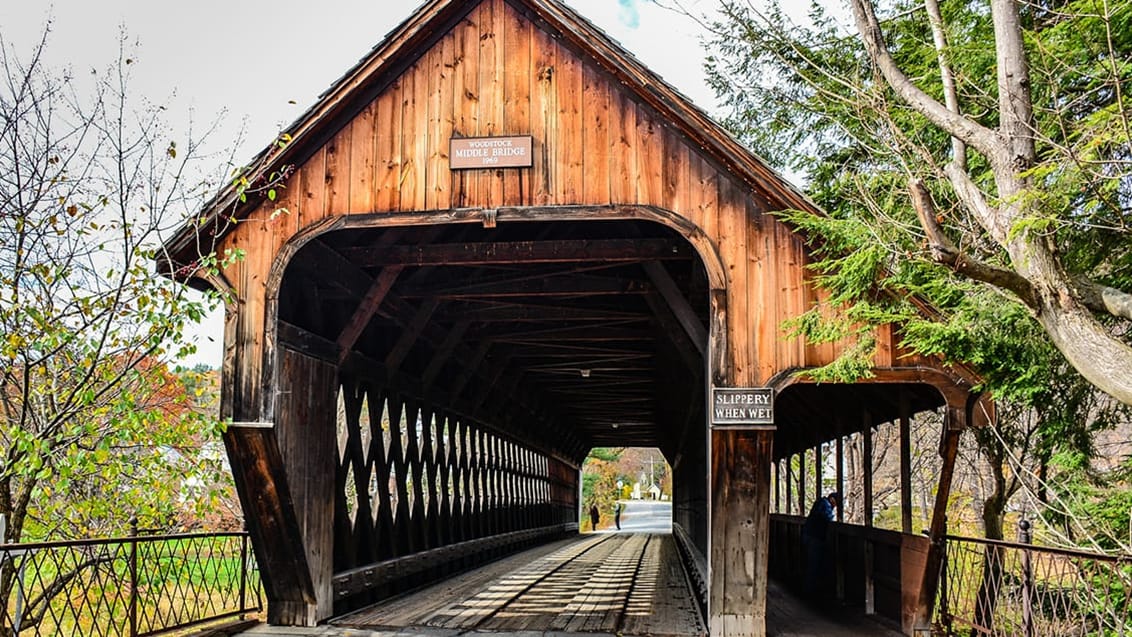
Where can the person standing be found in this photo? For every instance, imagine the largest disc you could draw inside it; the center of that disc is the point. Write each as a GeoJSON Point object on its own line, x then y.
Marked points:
{"type": "Point", "coordinates": [814, 536]}
{"type": "Point", "coordinates": [595, 515]}
{"type": "Point", "coordinates": [617, 515]}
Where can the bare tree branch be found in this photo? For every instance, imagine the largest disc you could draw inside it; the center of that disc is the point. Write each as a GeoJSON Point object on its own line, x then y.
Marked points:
{"type": "Point", "coordinates": [982, 138]}
{"type": "Point", "coordinates": [945, 252]}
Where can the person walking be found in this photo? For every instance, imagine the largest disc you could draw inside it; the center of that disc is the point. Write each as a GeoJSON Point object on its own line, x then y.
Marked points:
{"type": "Point", "coordinates": [814, 532]}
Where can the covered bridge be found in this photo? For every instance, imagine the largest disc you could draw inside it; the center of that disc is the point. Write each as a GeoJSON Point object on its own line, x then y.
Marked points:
{"type": "Point", "coordinates": [501, 241]}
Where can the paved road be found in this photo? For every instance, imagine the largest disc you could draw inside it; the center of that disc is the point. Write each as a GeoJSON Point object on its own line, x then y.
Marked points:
{"type": "Point", "coordinates": [646, 516]}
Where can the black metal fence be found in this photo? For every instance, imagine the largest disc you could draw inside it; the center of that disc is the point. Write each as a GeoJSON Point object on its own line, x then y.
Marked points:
{"type": "Point", "coordinates": [1013, 589]}
{"type": "Point", "coordinates": [140, 585]}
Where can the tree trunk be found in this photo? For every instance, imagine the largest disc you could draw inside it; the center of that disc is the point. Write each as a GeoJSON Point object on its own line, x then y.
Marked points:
{"type": "Point", "coordinates": [1063, 305]}
{"type": "Point", "coordinates": [994, 508]}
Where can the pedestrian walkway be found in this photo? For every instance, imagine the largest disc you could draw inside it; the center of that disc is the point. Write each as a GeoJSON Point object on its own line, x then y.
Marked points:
{"type": "Point", "coordinates": [605, 583]}
{"type": "Point", "coordinates": [788, 616]}
{"type": "Point", "coordinates": [600, 584]}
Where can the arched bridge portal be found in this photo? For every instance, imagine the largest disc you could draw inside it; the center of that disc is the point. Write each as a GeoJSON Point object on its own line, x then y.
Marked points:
{"type": "Point", "coordinates": [424, 336]}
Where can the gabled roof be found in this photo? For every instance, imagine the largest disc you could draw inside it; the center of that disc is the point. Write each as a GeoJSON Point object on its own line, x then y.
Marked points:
{"type": "Point", "coordinates": [431, 21]}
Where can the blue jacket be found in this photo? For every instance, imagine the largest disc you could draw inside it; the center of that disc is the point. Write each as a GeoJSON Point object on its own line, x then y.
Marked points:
{"type": "Point", "coordinates": [817, 522]}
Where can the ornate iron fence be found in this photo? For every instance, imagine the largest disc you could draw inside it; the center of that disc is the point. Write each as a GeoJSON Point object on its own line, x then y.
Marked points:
{"type": "Point", "coordinates": [1013, 589]}
{"type": "Point", "coordinates": [139, 585]}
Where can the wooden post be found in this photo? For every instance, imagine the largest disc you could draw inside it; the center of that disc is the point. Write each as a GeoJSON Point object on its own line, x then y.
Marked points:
{"type": "Point", "coordinates": [803, 501]}
{"type": "Point", "coordinates": [949, 448]}
{"type": "Point", "coordinates": [905, 464]}
{"type": "Point", "coordinates": [778, 486]}
{"type": "Point", "coordinates": [740, 531]}
{"type": "Point", "coordinates": [867, 496]}
{"type": "Point", "coordinates": [841, 478]}
{"type": "Point", "coordinates": [839, 486]}
{"type": "Point", "coordinates": [305, 427]}
{"type": "Point", "coordinates": [253, 453]}
{"type": "Point", "coordinates": [789, 484]}
{"type": "Point", "coordinates": [818, 487]}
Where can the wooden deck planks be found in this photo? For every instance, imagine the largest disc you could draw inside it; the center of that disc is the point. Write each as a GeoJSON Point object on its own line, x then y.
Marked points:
{"type": "Point", "coordinates": [628, 584]}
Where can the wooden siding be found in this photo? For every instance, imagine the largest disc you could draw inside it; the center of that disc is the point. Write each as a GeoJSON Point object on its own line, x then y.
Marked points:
{"type": "Point", "coordinates": [307, 443]}
{"type": "Point", "coordinates": [496, 73]}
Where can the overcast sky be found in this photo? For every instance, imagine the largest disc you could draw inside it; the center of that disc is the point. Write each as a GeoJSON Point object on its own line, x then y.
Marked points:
{"type": "Point", "coordinates": [264, 63]}
{"type": "Point", "coordinates": [269, 61]}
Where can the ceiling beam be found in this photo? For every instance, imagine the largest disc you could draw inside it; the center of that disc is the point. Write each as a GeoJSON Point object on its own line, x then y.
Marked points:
{"type": "Point", "coordinates": [576, 286]}
{"type": "Point", "coordinates": [378, 289]}
{"type": "Point", "coordinates": [520, 252]}
{"type": "Point", "coordinates": [679, 305]}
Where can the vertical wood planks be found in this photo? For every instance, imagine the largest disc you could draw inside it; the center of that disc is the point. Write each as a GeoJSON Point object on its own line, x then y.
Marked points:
{"type": "Point", "coordinates": [650, 162]}
{"type": "Point", "coordinates": [792, 353]}
{"type": "Point", "coordinates": [312, 179]}
{"type": "Point", "coordinates": [465, 96]}
{"type": "Point", "coordinates": [436, 173]}
{"type": "Point", "coordinates": [363, 150]}
{"type": "Point", "coordinates": [544, 116]}
{"type": "Point", "coordinates": [569, 151]}
{"type": "Point", "coordinates": [740, 531]}
{"type": "Point", "coordinates": [740, 319]}
{"type": "Point", "coordinates": [305, 430]}
{"type": "Point", "coordinates": [414, 141]}
{"type": "Point", "coordinates": [337, 172]}
{"type": "Point", "coordinates": [595, 137]}
{"type": "Point", "coordinates": [491, 71]}
{"type": "Point", "coordinates": [517, 78]}
{"type": "Point", "coordinates": [387, 178]}
{"type": "Point", "coordinates": [623, 143]}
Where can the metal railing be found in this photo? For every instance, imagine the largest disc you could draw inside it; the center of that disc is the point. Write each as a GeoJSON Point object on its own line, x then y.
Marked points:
{"type": "Point", "coordinates": [138, 585]}
{"type": "Point", "coordinates": [1009, 589]}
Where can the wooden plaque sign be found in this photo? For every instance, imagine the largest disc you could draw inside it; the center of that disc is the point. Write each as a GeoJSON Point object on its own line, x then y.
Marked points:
{"type": "Point", "coordinates": [742, 408]}
{"type": "Point", "coordinates": [490, 152]}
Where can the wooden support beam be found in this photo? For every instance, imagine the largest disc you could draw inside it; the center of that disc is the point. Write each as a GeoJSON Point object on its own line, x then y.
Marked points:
{"type": "Point", "coordinates": [520, 252]}
{"type": "Point", "coordinates": [308, 343]}
{"type": "Point", "coordinates": [410, 335]}
{"type": "Point", "coordinates": [367, 307]}
{"type": "Point", "coordinates": [957, 419]}
{"type": "Point", "coordinates": [740, 530]}
{"type": "Point", "coordinates": [778, 486]}
{"type": "Point", "coordinates": [521, 311]}
{"type": "Point", "coordinates": [257, 467]}
{"type": "Point", "coordinates": [818, 486]}
{"type": "Point", "coordinates": [454, 338]}
{"type": "Point", "coordinates": [692, 356]}
{"type": "Point", "coordinates": [305, 430]}
{"type": "Point", "coordinates": [558, 335]}
{"type": "Point", "coordinates": [528, 287]}
{"type": "Point", "coordinates": [789, 484]}
{"type": "Point", "coordinates": [679, 305]}
{"type": "Point", "coordinates": [803, 501]}
{"type": "Point", "coordinates": [905, 464]}
{"type": "Point", "coordinates": [867, 467]}
{"type": "Point", "coordinates": [867, 485]}
{"type": "Point", "coordinates": [841, 477]}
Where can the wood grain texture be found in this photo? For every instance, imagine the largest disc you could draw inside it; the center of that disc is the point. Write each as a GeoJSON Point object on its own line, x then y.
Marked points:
{"type": "Point", "coordinates": [609, 141]}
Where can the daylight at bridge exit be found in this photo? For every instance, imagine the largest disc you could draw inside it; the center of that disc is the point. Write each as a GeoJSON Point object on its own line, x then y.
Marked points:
{"type": "Point", "coordinates": [555, 317]}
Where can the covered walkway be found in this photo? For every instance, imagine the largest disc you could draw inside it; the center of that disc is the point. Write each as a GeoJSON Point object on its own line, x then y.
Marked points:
{"type": "Point", "coordinates": [599, 584]}
{"type": "Point", "coordinates": [421, 348]}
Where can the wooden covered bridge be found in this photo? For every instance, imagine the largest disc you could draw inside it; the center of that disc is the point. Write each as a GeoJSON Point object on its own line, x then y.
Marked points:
{"type": "Point", "coordinates": [501, 242]}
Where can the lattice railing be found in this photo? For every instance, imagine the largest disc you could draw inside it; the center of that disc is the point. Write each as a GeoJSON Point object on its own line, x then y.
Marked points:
{"type": "Point", "coordinates": [412, 478]}
{"type": "Point", "coordinates": [1011, 589]}
{"type": "Point", "coordinates": [126, 586]}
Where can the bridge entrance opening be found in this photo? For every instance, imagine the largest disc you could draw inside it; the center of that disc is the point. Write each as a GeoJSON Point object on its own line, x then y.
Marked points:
{"type": "Point", "coordinates": [471, 368]}
{"type": "Point", "coordinates": [626, 489]}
